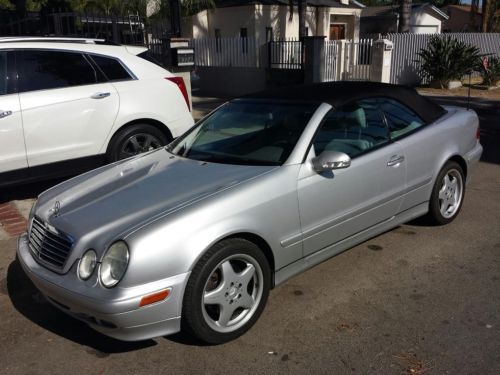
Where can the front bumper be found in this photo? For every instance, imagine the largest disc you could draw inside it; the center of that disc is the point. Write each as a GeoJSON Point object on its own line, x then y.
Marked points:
{"type": "Point", "coordinates": [117, 317]}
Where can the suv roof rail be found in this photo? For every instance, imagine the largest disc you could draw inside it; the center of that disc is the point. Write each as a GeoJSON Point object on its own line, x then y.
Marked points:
{"type": "Point", "coordinates": [55, 39]}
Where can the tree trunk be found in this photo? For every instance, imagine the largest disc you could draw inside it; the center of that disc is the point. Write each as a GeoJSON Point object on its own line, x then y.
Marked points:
{"type": "Point", "coordinates": [302, 6]}
{"type": "Point", "coordinates": [486, 16]}
{"type": "Point", "coordinates": [404, 16]}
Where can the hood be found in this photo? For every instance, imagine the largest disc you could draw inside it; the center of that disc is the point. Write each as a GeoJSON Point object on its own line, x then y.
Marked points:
{"type": "Point", "coordinates": [112, 200]}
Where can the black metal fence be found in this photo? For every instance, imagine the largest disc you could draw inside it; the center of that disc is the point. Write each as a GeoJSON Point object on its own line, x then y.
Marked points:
{"type": "Point", "coordinates": [286, 54]}
{"type": "Point", "coordinates": [120, 29]}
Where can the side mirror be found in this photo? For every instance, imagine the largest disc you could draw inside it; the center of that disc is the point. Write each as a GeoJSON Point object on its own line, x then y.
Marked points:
{"type": "Point", "coordinates": [330, 160]}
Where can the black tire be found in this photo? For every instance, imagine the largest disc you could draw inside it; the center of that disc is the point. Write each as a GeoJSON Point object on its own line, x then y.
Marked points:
{"type": "Point", "coordinates": [147, 138]}
{"type": "Point", "coordinates": [243, 300]}
{"type": "Point", "coordinates": [441, 209]}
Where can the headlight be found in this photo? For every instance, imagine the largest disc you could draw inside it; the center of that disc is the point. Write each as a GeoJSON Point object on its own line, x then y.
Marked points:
{"type": "Point", "coordinates": [114, 264]}
{"type": "Point", "coordinates": [32, 211]}
{"type": "Point", "coordinates": [87, 264]}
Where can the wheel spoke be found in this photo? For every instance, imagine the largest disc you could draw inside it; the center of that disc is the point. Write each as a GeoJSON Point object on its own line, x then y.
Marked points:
{"type": "Point", "coordinates": [135, 144]}
{"type": "Point", "coordinates": [246, 275]}
{"type": "Point", "coordinates": [147, 142]}
{"type": "Point", "coordinates": [246, 301]}
{"type": "Point", "coordinates": [226, 312]}
{"type": "Point", "coordinates": [214, 297]}
{"type": "Point", "coordinates": [446, 181]}
{"type": "Point", "coordinates": [228, 274]}
{"type": "Point", "coordinates": [454, 184]}
{"type": "Point", "coordinates": [442, 193]}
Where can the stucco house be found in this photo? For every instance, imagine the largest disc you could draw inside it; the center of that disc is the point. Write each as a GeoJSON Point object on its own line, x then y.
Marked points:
{"type": "Point", "coordinates": [425, 19]}
{"type": "Point", "coordinates": [271, 19]}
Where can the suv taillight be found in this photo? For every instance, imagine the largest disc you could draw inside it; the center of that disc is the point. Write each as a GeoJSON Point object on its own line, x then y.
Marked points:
{"type": "Point", "coordinates": [180, 84]}
{"type": "Point", "coordinates": [478, 133]}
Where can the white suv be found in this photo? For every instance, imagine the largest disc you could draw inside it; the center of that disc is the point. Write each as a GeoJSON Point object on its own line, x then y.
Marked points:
{"type": "Point", "coordinates": [68, 104]}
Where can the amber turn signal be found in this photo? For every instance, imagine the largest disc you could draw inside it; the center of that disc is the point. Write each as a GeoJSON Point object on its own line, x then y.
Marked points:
{"type": "Point", "coordinates": [157, 297]}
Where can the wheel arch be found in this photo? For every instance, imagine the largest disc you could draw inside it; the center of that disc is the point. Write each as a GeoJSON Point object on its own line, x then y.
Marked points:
{"type": "Point", "coordinates": [262, 245]}
{"type": "Point", "coordinates": [460, 161]}
{"type": "Point", "coordinates": [147, 121]}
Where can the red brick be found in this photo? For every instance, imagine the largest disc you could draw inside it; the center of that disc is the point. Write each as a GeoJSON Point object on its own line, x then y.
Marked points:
{"type": "Point", "coordinates": [14, 221]}
{"type": "Point", "coordinates": [15, 228]}
{"type": "Point", "coordinates": [5, 206]}
{"type": "Point", "coordinates": [16, 232]}
{"type": "Point", "coordinates": [9, 215]}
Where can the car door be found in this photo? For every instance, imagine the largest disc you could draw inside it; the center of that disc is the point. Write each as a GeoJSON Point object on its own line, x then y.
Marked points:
{"type": "Point", "coordinates": [341, 203]}
{"type": "Point", "coordinates": [403, 123]}
{"type": "Point", "coordinates": [12, 149]}
{"type": "Point", "coordinates": [67, 109]}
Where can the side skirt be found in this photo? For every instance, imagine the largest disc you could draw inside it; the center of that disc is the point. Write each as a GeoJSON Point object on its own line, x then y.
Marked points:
{"type": "Point", "coordinates": [320, 256]}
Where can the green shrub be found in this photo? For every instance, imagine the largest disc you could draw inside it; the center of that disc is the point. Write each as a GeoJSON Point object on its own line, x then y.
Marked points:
{"type": "Point", "coordinates": [446, 59]}
{"type": "Point", "coordinates": [491, 75]}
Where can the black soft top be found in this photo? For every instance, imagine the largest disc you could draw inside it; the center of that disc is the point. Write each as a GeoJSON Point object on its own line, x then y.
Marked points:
{"type": "Point", "coordinates": [338, 93]}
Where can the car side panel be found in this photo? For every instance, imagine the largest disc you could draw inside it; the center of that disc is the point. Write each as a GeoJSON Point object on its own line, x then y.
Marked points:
{"type": "Point", "coordinates": [338, 204]}
{"type": "Point", "coordinates": [12, 148]}
{"type": "Point", "coordinates": [427, 150]}
{"type": "Point", "coordinates": [67, 123]}
{"type": "Point", "coordinates": [266, 207]}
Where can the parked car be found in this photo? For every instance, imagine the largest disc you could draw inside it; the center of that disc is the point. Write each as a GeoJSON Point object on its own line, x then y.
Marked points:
{"type": "Point", "coordinates": [194, 235]}
{"type": "Point", "coordinates": [70, 104]}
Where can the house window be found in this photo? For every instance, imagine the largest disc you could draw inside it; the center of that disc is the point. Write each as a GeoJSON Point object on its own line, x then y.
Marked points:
{"type": "Point", "coordinates": [244, 39]}
{"type": "Point", "coordinates": [269, 34]}
{"type": "Point", "coordinates": [217, 40]}
{"type": "Point", "coordinates": [337, 31]}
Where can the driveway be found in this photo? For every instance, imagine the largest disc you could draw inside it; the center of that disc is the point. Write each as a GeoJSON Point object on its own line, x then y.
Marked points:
{"type": "Point", "coordinates": [414, 300]}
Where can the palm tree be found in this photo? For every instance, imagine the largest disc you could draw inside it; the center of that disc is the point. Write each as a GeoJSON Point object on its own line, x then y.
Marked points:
{"type": "Point", "coordinates": [404, 16]}
{"type": "Point", "coordinates": [301, 7]}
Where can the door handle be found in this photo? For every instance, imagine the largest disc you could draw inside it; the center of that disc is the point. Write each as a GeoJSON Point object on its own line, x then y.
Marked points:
{"type": "Point", "coordinates": [395, 160]}
{"type": "Point", "coordinates": [100, 95]}
{"type": "Point", "coordinates": [5, 113]}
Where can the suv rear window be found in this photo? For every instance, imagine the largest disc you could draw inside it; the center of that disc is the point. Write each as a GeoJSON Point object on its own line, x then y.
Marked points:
{"type": "Point", "coordinates": [42, 70]}
{"type": "Point", "coordinates": [112, 68]}
{"type": "Point", "coordinates": [148, 56]}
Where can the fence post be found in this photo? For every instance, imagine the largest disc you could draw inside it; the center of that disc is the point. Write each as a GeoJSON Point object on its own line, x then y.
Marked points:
{"type": "Point", "coordinates": [380, 69]}
{"type": "Point", "coordinates": [314, 61]}
{"type": "Point", "coordinates": [341, 56]}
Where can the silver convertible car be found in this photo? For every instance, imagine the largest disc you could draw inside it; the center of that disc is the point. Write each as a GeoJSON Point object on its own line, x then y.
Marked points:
{"type": "Point", "coordinates": [193, 236]}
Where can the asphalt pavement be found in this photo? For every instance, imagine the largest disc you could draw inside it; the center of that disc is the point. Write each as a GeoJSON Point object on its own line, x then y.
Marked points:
{"type": "Point", "coordinates": [417, 299]}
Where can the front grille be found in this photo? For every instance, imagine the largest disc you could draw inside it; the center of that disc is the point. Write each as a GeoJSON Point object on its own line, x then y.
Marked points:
{"type": "Point", "coordinates": [48, 245]}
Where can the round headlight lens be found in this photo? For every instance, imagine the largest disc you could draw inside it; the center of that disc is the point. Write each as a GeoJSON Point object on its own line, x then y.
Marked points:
{"type": "Point", "coordinates": [114, 264]}
{"type": "Point", "coordinates": [87, 264]}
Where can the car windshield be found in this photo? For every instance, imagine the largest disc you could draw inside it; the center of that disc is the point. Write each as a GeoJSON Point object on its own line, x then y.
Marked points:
{"type": "Point", "coordinates": [246, 132]}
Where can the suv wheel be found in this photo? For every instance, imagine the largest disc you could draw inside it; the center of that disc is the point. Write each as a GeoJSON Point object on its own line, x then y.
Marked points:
{"type": "Point", "coordinates": [135, 140]}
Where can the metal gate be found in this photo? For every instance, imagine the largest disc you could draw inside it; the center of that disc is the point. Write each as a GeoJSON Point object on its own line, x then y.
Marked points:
{"type": "Point", "coordinates": [347, 60]}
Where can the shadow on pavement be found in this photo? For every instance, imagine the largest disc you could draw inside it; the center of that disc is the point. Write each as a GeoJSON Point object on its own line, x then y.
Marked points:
{"type": "Point", "coordinates": [30, 303]}
{"type": "Point", "coordinates": [27, 191]}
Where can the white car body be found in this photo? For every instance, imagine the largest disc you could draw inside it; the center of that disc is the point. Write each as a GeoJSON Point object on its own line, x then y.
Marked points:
{"type": "Point", "coordinates": [47, 126]}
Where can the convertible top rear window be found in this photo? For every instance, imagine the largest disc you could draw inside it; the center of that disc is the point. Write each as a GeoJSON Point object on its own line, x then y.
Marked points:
{"type": "Point", "coordinates": [246, 132]}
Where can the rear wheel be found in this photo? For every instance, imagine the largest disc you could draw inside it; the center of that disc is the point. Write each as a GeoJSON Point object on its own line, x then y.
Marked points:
{"type": "Point", "coordinates": [226, 291]}
{"type": "Point", "coordinates": [135, 140]}
{"type": "Point", "coordinates": [448, 194]}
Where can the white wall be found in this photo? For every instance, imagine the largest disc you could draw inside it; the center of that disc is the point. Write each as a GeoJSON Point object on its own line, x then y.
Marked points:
{"type": "Point", "coordinates": [423, 23]}
{"type": "Point", "coordinates": [257, 17]}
